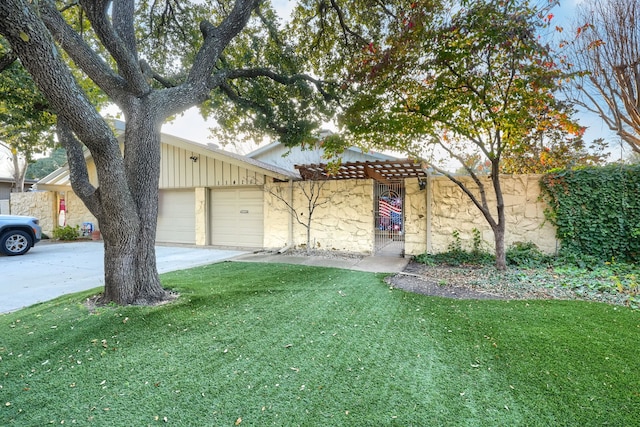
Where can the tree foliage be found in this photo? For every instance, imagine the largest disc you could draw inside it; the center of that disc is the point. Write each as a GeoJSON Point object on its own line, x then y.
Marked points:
{"type": "Point", "coordinates": [605, 50]}
{"type": "Point", "coordinates": [26, 120]}
{"type": "Point", "coordinates": [45, 165]}
{"type": "Point", "coordinates": [561, 153]}
{"type": "Point", "coordinates": [472, 82]}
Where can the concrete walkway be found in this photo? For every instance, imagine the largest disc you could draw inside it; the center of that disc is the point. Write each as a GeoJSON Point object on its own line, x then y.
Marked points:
{"type": "Point", "coordinates": [373, 264]}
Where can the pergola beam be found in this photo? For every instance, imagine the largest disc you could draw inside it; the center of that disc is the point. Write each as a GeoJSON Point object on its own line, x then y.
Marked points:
{"type": "Point", "coordinates": [383, 170]}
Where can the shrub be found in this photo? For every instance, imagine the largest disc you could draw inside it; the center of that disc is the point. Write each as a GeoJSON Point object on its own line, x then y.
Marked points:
{"type": "Point", "coordinates": [456, 255]}
{"type": "Point", "coordinates": [66, 233]}
{"type": "Point", "coordinates": [456, 258]}
{"type": "Point", "coordinates": [526, 254]}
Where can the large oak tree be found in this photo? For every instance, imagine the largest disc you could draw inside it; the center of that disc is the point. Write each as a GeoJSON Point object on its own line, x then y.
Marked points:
{"type": "Point", "coordinates": [154, 60]}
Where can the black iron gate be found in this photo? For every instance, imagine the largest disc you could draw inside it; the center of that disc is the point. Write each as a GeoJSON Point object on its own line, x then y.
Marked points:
{"type": "Point", "coordinates": [389, 218]}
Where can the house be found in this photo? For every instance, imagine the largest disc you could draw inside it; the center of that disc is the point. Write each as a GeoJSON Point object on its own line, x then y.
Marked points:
{"type": "Point", "coordinates": [373, 203]}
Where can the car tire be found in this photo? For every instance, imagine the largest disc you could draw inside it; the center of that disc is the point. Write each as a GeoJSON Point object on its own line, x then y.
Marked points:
{"type": "Point", "coordinates": [15, 242]}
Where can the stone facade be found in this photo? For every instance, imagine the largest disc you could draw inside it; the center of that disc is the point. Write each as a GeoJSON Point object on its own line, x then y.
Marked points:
{"type": "Point", "coordinates": [41, 205]}
{"type": "Point", "coordinates": [342, 219]}
{"type": "Point", "coordinates": [416, 218]}
{"type": "Point", "coordinates": [452, 210]}
{"type": "Point", "coordinates": [44, 205]}
{"type": "Point", "coordinates": [344, 216]}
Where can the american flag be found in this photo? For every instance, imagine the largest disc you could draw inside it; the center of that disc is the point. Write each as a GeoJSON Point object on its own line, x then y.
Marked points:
{"type": "Point", "coordinates": [387, 209]}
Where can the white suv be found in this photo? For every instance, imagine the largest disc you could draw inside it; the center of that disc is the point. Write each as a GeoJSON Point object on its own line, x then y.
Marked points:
{"type": "Point", "coordinates": [18, 234]}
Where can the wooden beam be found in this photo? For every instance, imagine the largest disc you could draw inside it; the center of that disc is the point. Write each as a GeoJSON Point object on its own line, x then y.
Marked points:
{"type": "Point", "coordinates": [372, 173]}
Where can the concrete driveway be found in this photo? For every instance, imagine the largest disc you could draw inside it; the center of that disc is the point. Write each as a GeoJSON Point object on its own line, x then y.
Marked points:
{"type": "Point", "coordinates": [50, 269]}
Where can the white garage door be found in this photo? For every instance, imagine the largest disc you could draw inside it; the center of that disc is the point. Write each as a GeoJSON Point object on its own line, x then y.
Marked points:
{"type": "Point", "coordinates": [237, 217]}
{"type": "Point", "coordinates": [176, 217]}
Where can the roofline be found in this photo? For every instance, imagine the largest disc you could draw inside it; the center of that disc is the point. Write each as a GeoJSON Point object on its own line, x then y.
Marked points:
{"type": "Point", "coordinates": [196, 147]}
{"type": "Point", "coordinates": [275, 144]}
{"type": "Point", "coordinates": [12, 180]}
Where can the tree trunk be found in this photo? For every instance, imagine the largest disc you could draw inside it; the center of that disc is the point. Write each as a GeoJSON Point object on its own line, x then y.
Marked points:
{"type": "Point", "coordinates": [501, 259]}
{"type": "Point", "coordinates": [499, 228]}
{"type": "Point", "coordinates": [131, 275]}
{"type": "Point", "coordinates": [18, 172]}
{"type": "Point", "coordinates": [142, 164]}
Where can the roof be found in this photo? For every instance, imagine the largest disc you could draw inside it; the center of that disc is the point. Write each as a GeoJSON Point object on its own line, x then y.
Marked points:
{"type": "Point", "coordinates": [383, 170]}
{"type": "Point", "coordinates": [278, 145]}
{"type": "Point", "coordinates": [61, 177]}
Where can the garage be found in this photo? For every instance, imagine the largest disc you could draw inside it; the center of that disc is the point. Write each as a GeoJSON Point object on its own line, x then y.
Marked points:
{"type": "Point", "coordinates": [176, 217]}
{"type": "Point", "coordinates": [237, 217]}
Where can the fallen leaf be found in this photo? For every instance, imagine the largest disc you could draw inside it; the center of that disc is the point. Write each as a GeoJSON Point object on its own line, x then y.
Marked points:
{"type": "Point", "coordinates": [238, 421]}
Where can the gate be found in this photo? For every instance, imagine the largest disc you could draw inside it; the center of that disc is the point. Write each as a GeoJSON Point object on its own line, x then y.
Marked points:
{"type": "Point", "coordinates": [389, 218]}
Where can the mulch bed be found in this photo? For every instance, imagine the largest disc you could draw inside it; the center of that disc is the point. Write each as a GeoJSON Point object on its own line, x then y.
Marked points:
{"type": "Point", "coordinates": [442, 282]}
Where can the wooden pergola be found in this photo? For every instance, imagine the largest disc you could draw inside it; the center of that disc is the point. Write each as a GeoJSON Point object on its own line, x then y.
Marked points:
{"type": "Point", "coordinates": [381, 170]}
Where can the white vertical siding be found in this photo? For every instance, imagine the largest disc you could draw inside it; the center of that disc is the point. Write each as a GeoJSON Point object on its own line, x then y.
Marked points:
{"type": "Point", "coordinates": [179, 170]}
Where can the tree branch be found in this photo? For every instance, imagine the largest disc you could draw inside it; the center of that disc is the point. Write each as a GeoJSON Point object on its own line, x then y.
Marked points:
{"type": "Point", "coordinates": [81, 54]}
{"type": "Point", "coordinates": [78, 169]}
{"type": "Point", "coordinates": [120, 49]}
{"type": "Point", "coordinates": [217, 79]}
{"type": "Point", "coordinates": [217, 38]}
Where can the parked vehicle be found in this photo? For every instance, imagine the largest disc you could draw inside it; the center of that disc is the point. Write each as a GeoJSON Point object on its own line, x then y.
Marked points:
{"type": "Point", "coordinates": [18, 234]}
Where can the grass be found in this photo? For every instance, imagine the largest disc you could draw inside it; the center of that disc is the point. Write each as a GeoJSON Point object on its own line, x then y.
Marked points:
{"type": "Point", "coordinates": [255, 345]}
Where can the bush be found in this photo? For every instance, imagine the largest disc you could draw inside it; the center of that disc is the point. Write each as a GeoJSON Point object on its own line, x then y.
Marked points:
{"type": "Point", "coordinates": [66, 233]}
{"type": "Point", "coordinates": [526, 254]}
{"type": "Point", "coordinates": [456, 258]}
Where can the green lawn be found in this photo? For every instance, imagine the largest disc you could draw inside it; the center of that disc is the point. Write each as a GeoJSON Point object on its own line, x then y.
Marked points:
{"type": "Point", "coordinates": [256, 345]}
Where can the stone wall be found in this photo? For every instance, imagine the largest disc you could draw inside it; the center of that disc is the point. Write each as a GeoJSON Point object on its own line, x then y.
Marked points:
{"type": "Point", "coordinates": [77, 213]}
{"type": "Point", "coordinates": [39, 204]}
{"type": "Point", "coordinates": [44, 206]}
{"type": "Point", "coordinates": [416, 216]}
{"type": "Point", "coordinates": [451, 210]}
{"type": "Point", "coordinates": [342, 219]}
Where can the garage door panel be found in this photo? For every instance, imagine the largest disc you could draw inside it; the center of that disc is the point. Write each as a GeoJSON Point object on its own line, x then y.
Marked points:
{"type": "Point", "coordinates": [237, 217]}
{"type": "Point", "coordinates": [176, 217]}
